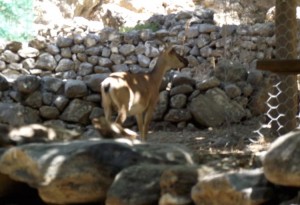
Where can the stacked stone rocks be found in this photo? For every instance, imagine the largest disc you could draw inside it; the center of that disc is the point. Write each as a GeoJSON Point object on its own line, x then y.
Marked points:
{"type": "Point", "coordinates": [58, 81]}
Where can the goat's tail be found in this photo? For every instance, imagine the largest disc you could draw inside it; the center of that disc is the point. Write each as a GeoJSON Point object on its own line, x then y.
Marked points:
{"type": "Point", "coordinates": [105, 87]}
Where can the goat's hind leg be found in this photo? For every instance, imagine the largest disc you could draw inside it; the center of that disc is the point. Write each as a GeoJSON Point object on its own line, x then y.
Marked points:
{"type": "Point", "coordinates": [107, 106]}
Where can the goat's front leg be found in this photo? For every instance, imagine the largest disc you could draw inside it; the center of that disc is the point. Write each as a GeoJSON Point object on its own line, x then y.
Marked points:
{"type": "Point", "coordinates": [147, 119]}
{"type": "Point", "coordinates": [140, 123]}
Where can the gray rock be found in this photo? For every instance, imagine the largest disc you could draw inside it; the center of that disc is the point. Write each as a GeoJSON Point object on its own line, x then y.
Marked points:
{"type": "Point", "coordinates": [16, 114]}
{"type": "Point", "coordinates": [75, 89]}
{"type": "Point", "coordinates": [15, 66]}
{"type": "Point", "coordinates": [61, 102]}
{"type": "Point", "coordinates": [281, 162]}
{"type": "Point", "coordinates": [195, 51]}
{"type": "Point", "coordinates": [77, 111]}
{"type": "Point", "coordinates": [91, 40]}
{"type": "Point", "coordinates": [176, 183]}
{"type": "Point", "coordinates": [106, 52]}
{"type": "Point", "coordinates": [240, 188]}
{"type": "Point", "coordinates": [255, 78]}
{"type": "Point", "coordinates": [27, 83]}
{"type": "Point", "coordinates": [232, 90]}
{"type": "Point", "coordinates": [105, 62]}
{"type": "Point", "coordinates": [192, 32]}
{"type": "Point", "coordinates": [207, 28]}
{"type": "Point", "coordinates": [96, 98]}
{"type": "Point", "coordinates": [131, 60]}
{"type": "Point", "coordinates": [28, 63]}
{"type": "Point", "coordinates": [93, 81]}
{"type": "Point", "coordinates": [151, 52]}
{"type": "Point", "coordinates": [181, 89]}
{"type": "Point", "coordinates": [28, 52]}
{"type": "Point", "coordinates": [4, 84]}
{"type": "Point", "coordinates": [101, 69]}
{"type": "Point", "coordinates": [71, 74]}
{"type": "Point", "coordinates": [143, 60]}
{"type": "Point", "coordinates": [34, 100]}
{"type": "Point", "coordinates": [147, 35]}
{"type": "Point", "coordinates": [10, 57]}
{"type": "Point", "coordinates": [178, 115]}
{"type": "Point", "coordinates": [184, 15]}
{"type": "Point", "coordinates": [38, 43]}
{"type": "Point", "coordinates": [93, 60]}
{"type": "Point", "coordinates": [51, 84]}
{"type": "Point", "coordinates": [181, 78]}
{"type": "Point", "coordinates": [120, 68]}
{"type": "Point", "coordinates": [82, 57]}
{"type": "Point", "coordinates": [93, 51]}
{"type": "Point", "coordinates": [116, 59]}
{"type": "Point", "coordinates": [178, 101]}
{"type": "Point", "coordinates": [63, 42]}
{"type": "Point", "coordinates": [47, 98]}
{"type": "Point", "coordinates": [65, 64]}
{"type": "Point", "coordinates": [214, 108]}
{"type": "Point", "coordinates": [263, 29]}
{"type": "Point", "coordinates": [203, 40]}
{"type": "Point", "coordinates": [78, 48]}
{"type": "Point", "coordinates": [14, 46]}
{"type": "Point", "coordinates": [85, 69]}
{"type": "Point", "coordinates": [52, 49]}
{"type": "Point", "coordinates": [208, 83]}
{"type": "Point", "coordinates": [46, 62]}
{"type": "Point", "coordinates": [78, 38]}
{"type": "Point", "coordinates": [93, 164]}
{"type": "Point", "coordinates": [49, 112]}
{"type": "Point", "coordinates": [66, 53]}
{"type": "Point", "coordinates": [127, 49]}
{"type": "Point", "coordinates": [131, 37]}
{"type": "Point", "coordinates": [133, 186]}
{"type": "Point", "coordinates": [2, 65]}
{"type": "Point", "coordinates": [229, 71]}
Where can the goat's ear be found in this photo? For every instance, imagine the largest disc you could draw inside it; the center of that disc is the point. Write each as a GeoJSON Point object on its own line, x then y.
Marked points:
{"type": "Point", "coordinates": [169, 49]}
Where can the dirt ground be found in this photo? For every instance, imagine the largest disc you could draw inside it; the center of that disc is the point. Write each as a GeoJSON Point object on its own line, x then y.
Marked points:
{"type": "Point", "coordinates": [227, 148]}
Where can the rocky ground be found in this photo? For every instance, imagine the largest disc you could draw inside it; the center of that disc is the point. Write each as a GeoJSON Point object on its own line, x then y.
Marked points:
{"type": "Point", "coordinates": [233, 147]}
{"type": "Point", "coordinates": [228, 147]}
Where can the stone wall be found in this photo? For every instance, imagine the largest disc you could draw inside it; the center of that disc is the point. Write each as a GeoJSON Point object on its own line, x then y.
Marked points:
{"type": "Point", "coordinates": [55, 78]}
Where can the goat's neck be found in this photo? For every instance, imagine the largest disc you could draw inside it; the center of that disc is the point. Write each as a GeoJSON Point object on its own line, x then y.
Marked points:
{"type": "Point", "coordinates": [157, 73]}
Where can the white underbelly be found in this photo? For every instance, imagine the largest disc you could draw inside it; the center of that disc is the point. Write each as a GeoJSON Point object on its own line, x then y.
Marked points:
{"type": "Point", "coordinates": [135, 109]}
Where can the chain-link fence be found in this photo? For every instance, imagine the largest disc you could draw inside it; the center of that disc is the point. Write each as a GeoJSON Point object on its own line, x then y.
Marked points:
{"type": "Point", "coordinates": [283, 96]}
{"type": "Point", "coordinates": [282, 103]}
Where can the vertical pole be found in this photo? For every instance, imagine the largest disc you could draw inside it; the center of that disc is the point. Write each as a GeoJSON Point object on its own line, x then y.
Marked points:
{"type": "Point", "coordinates": [286, 48]}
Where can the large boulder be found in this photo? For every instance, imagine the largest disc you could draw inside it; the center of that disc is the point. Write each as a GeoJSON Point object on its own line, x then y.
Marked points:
{"type": "Point", "coordinates": [132, 186]}
{"type": "Point", "coordinates": [240, 188]}
{"type": "Point", "coordinates": [15, 114]}
{"type": "Point", "coordinates": [77, 111]}
{"type": "Point", "coordinates": [214, 108]}
{"type": "Point", "coordinates": [282, 162]}
{"type": "Point", "coordinates": [82, 171]}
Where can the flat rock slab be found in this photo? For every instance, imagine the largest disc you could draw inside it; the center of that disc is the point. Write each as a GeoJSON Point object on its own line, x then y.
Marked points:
{"type": "Point", "coordinates": [282, 161]}
{"type": "Point", "coordinates": [82, 171]}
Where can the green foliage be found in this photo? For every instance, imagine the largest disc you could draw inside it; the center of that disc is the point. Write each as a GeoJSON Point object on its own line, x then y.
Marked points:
{"type": "Point", "coordinates": [152, 26]}
{"type": "Point", "coordinates": [16, 17]}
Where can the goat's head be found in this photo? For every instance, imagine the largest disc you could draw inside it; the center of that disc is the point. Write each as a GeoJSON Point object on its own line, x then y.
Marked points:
{"type": "Point", "coordinates": [173, 59]}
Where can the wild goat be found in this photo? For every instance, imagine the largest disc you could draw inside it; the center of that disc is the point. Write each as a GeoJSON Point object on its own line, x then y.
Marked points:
{"type": "Point", "coordinates": [137, 93]}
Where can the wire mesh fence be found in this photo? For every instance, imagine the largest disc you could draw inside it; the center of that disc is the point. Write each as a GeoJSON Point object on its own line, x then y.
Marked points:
{"type": "Point", "coordinates": [282, 102]}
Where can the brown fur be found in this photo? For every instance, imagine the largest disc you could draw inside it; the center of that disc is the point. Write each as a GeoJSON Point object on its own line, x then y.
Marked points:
{"type": "Point", "coordinates": [137, 93]}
